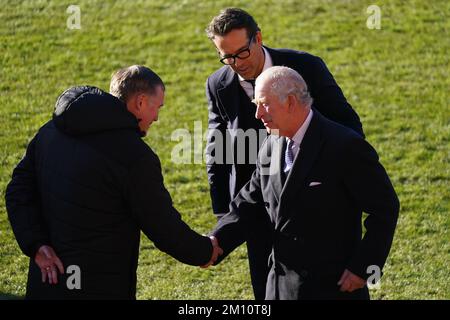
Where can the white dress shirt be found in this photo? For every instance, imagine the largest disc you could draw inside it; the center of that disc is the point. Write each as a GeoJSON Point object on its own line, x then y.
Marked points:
{"type": "Point", "coordinates": [297, 138]}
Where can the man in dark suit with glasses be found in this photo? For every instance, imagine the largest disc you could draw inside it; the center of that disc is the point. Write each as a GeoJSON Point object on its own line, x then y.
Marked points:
{"type": "Point", "coordinates": [230, 90]}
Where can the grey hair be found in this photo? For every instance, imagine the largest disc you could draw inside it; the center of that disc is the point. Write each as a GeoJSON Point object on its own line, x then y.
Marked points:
{"type": "Point", "coordinates": [284, 81]}
{"type": "Point", "coordinates": [134, 79]}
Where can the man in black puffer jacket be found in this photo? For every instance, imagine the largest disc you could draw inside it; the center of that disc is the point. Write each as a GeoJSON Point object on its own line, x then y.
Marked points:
{"type": "Point", "coordinates": [86, 187]}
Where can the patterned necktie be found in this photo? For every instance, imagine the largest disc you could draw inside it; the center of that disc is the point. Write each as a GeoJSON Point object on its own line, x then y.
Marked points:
{"type": "Point", "coordinates": [289, 156]}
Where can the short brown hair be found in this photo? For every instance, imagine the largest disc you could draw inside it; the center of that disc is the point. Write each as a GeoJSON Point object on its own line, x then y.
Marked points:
{"type": "Point", "coordinates": [230, 19]}
{"type": "Point", "coordinates": [132, 80]}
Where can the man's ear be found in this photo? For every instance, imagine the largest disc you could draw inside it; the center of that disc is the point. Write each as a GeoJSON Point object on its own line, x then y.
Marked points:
{"type": "Point", "coordinates": [292, 103]}
{"type": "Point", "coordinates": [258, 37]}
{"type": "Point", "coordinates": [140, 100]}
{"type": "Point", "coordinates": [133, 105]}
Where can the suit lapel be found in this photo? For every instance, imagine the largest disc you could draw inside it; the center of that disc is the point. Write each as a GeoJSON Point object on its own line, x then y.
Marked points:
{"type": "Point", "coordinates": [228, 97]}
{"type": "Point", "coordinates": [303, 162]}
{"type": "Point", "coordinates": [276, 165]}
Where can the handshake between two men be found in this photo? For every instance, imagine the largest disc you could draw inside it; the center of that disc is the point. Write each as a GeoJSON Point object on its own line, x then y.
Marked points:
{"type": "Point", "coordinates": [217, 251]}
{"type": "Point", "coordinates": [50, 264]}
{"type": "Point", "coordinates": [81, 194]}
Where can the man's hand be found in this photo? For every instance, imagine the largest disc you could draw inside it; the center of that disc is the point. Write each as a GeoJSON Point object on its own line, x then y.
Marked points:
{"type": "Point", "coordinates": [350, 282]}
{"type": "Point", "coordinates": [49, 263]}
{"type": "Point", "coordinates": [217, 251]}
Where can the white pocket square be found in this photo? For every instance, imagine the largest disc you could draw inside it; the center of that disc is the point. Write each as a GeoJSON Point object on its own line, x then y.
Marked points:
{"type": "Point", "coordinates": [312, 184]}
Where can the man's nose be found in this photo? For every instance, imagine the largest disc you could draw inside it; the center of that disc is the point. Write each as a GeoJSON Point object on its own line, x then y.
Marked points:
{"type": "Point", "coordinates": [238, 62]}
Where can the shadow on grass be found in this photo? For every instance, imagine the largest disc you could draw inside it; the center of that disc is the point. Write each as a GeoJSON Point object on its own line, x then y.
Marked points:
{"type": "Point", "coordinates": [8, 296]}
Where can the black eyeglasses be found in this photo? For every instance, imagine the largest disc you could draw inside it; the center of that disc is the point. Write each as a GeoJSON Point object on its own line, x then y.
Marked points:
{"type": "Point", "coordinates": [230, 59]}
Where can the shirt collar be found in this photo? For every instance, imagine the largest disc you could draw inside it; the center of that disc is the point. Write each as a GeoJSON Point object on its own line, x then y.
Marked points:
{"type": "Point", "coordinates": [267, 63]}
{"type": "Point", "coordinates": [298, 136]}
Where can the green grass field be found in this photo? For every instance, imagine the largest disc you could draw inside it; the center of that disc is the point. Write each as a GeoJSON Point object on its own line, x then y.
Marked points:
{"type": "Point", "coordinates": [395, 77]}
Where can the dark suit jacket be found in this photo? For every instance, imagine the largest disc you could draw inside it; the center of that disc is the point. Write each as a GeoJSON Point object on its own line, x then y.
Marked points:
{"type": "Point", "coordinates": [317, 230]}
{"type": "Point", "coordinates": [222, 89]}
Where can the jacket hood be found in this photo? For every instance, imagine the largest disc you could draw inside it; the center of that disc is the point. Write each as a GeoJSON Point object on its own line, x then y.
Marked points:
{"type": "Point", "coordinates": [85, 109]}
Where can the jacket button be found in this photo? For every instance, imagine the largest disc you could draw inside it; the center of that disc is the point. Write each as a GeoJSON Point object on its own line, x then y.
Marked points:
{"type": "Point", "coordinates": [266, 204]}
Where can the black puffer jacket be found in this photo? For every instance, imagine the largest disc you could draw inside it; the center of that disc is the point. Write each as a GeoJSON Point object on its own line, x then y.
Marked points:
{"type": "Point", "coordinates": [87, 185]}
